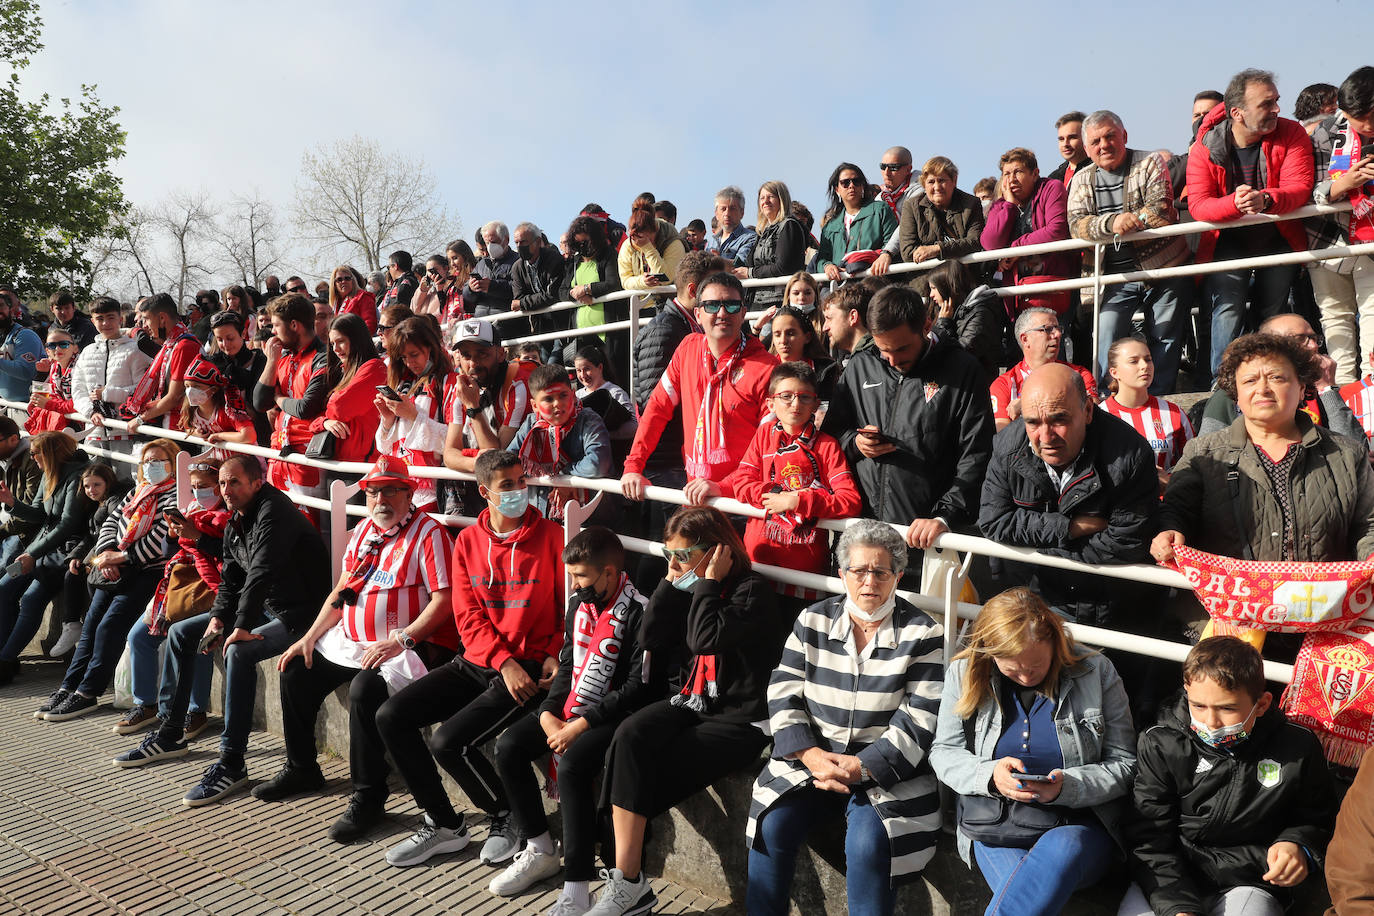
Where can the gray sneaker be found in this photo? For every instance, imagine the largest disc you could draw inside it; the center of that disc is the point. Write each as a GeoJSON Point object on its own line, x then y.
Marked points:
{"type": "Point", "coordinates": [529, 868]}
{"type": "Point", "coordinates": [430, 840]}
{"type": "Point", "coordinates": [623, 897]}
{"type": "Point", "coordinates": [503, 840]}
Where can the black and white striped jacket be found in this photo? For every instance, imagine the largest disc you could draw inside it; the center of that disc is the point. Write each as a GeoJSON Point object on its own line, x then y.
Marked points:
{"type": "Point", "coordinates": [151, 549]}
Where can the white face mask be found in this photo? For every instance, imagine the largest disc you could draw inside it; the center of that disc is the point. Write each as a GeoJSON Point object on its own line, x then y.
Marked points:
{"type": "Point", "coordinates": [156, 472]}
{"type": "Point", "coordinates": [206, 498]}
{"type": "Point", "coordinates": [881, 612]}
{"type": "Point", "coordinates": [196, 396]}
{"type": "Point", "coordinates": [496, 250]}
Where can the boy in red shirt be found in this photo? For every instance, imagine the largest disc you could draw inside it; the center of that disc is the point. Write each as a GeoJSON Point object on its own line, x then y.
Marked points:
{"type": "Point", "coordinates": [508, 596]}
{"type": "Point", "coordinates": [800, 476]}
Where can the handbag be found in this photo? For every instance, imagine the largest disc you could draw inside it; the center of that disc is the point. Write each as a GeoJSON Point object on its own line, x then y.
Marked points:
{"type": "Point", "coordinates": [995, 820]}
{"type": "Point", "coordinates": [187, 594]}
{"type": "Point", "coordinates": [1058, 302]}
{"type": "Point", "coordinates": [321, 445]}
{"type": "Point", "coordinates": [95, 578]}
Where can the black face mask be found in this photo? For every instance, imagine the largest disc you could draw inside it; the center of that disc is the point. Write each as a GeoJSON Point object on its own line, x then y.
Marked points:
{"type": "Point", "coordinates": [1197, 122]}
{"type": "Point", "coordinates": [583, 248]}
{"type": "Point", "coordinates": [525, 252]}
{"type": "Point", "coordinates": [588, 594]}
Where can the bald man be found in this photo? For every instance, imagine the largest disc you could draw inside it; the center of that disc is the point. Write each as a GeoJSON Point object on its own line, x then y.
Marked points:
{"type": "Point", "coordinates": [1070, 480]}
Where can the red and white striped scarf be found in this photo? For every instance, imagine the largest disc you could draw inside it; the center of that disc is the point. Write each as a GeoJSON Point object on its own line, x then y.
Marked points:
{"type": "Point", "coordinates": [1345, 155]}
{"type": "Point", "coordinates": [708, 439]}
{"type": "Point", "coordinates": [893, 199]}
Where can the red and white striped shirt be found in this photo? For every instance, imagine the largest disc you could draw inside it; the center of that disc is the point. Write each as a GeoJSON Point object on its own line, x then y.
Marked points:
{"type": "Point", "coordinates": [411, 566]}
{"type": "Point", "coordinates": [1165, 426]}
{"type": "Point", "coordinates": [1359, 397]}
{"type": "Point", "coordinates": [1007, 386]}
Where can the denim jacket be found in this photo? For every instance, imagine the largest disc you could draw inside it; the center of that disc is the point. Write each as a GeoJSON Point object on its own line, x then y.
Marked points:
{"type": "Point", "coordinates": [1096, 736]}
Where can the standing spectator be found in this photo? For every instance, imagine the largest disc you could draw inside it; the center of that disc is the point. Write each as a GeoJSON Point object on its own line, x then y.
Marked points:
{"type": "Point", "coordinates": [559, 437]}
{"type": "Point", "coordinates": [48, 409]}
{"type": "Point", "coordinates": [694, 235]}
{"type": "Point", "coordinates": [969, 314]}
{"type": "Point", "coordinates": [1315, 104]}
{"type": "Point", "coordinates": [1163, 424]}
{"type": "Point", "coordinates": [1072, 145]}
{"type": "Point", "coordinates": [781, 246]}
{"type": "Point", "coordinates": [1041, 338]}
{"type": "Point", "coordinates": [272, 286]}
{"type": "Point", "coordinates": [1248, 160]}
{"type": "Point", "coordinates": [666, 210]}
{"type": "Point", "coordinates": [105, 375]}
{"type": "Point", "coordinates": [534, 282]}
{"type": "Point", "coordinates": [237, 300]}
{"type": "Point", "coordinates": [376, 284]}
{"type": "Point", "coordinates": [890, 394]}
{"type": "Point", "coordinates": [20, 351]}
{"type": "Point", "coordinates": [323, 316]}
{"type": "Point", "coordinates": [212, 410]}
{"type": "Point", "coordinates": [387, 321]}
{"type": "Point", "coordinates": [401, 282]}
{"type": "Point", "coordinates": [159, 393]}
{"type": "Point", "coordinates": [205, 306]}
{"type": "Point", "coordinates": [1120, 191]}
{"type": "Point", "coordinates": [489, 289]}
{"type": "Point", "coordinates": [346, 294]}
{"type": "Point", "coordinates": [652, 251]}
{"type": "Point", "coordinates": [241, 364]}
{"type": "Point", "coordinates": [1032, 210]}
{"type": "Point", "coordinates": [855, 220]}
{"type": "Point", "coordinates": [592, 273]}
{"type": "Point", "coordinates": [67, 317]}
{"type": "Point", "coordinates": [414, 427]}
{"type": "Point", "coordinates": [943, 222]}
{"type": "Point", "coordinates": [895, 191]}
{"type": "Point", "coordinates": [793, 339]}
{"type": "Point", "coordinates": [295, 382]}
{"type": "Point", "coordinates": [735, 242]}
{"type": "Point", "coordinates": [351, 415]}
{"type": "Point", "coordinates": [438, 293]}
{"type": "Point", "coordinates": [610, 402]}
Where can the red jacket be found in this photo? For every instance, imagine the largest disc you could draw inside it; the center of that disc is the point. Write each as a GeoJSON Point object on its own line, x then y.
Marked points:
{"type": "Point", "coordinates": [351, 404]}
{"type": "Point", "coordinates": [363, 304]}
{"type": "Point", "coordinates": [1286, 156]}
{"type": "Point", "coordinates": [824, 486]}
{"type": "Point", "coordinates": [684, 382]}
{"type": "Point", "coordinates": [508, 593]}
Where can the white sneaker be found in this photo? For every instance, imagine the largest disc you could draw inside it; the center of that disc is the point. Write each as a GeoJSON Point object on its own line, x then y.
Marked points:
{"type": "Point", "coordinates": [623, 897]}
{"type": "Point", "coordinates": [430, 840]}
{"type": "Point", "coordinates": [530, 867]}
{"type": "Point", "coordinates": [66, 642]}
{"type": "Point", "coordinates": [566, 906]}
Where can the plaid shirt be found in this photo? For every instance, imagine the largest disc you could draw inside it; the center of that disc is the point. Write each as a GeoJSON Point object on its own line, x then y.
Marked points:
{"type": "Point", "coordinates": [1328, 230]}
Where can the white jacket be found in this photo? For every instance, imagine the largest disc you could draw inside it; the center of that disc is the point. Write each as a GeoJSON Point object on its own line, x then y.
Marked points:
{"type": "Point", "coordinates": [117, 364]}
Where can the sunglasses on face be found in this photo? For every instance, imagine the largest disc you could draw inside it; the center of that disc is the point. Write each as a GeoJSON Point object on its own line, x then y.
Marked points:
{"type": "Point", "coordinates": [849, 182]}
{"type": "Point", "coordinates": [890, 166]}
{"type": "Point", "coordinates": [343, 279]}
{"type": "Point", "coordinates": [298, 289]}
{"type": "Point", "coordinates": [59, 345]}
{"type": "Point", "coordinates": [711, 306]}
{"type": "Point", "coordinates": [682, 554]}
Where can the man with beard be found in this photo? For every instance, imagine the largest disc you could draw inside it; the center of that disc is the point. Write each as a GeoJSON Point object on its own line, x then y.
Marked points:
{"type": "Point", "coordinates": [295, 381]}
{"type": "Point", "coordinates": [493, 398]}
{"type": "Point", "coordinates": [19, 354]}
{"type": "Point", "coordinates": [162, 387]}
{"type": "Point", "coordinates": [387, 623]}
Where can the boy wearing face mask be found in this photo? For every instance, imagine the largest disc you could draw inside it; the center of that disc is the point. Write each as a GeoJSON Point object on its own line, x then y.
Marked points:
{"type": "Point", "coordinates": [508, 598]}
{"type": "Point", "coordinates": [1234, 804]}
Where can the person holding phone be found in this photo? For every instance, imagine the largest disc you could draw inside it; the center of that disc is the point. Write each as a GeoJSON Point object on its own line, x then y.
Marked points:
{"type": "Point", "coordinates": [653, 251]}
{"type": "Point", "coordinates": [1035, 736]}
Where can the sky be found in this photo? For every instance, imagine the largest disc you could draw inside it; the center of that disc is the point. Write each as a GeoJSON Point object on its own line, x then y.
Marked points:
{"type": "Point", "coordinates": [529, 110]}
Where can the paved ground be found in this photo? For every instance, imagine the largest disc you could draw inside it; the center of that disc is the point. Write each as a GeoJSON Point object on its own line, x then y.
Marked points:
{"type": "Point", "coordinates": [79, 836]}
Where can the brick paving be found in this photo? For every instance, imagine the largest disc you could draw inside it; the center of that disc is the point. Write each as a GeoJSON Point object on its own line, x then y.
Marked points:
{"type": "Point", "coordinates": [79, 836]}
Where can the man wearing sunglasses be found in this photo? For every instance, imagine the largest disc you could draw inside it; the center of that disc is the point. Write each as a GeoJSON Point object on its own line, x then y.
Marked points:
{"type": "Point", "coordinates": [720, 380]}
{"type": "Point", "coordinates": [896, 169]}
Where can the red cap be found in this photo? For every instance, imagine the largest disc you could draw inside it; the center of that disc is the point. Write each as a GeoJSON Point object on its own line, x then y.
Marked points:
{"type": "Point", "coordinates": [389, 470]}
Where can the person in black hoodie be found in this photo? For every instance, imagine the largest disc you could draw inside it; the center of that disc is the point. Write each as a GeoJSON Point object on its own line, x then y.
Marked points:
{"type": "Point", "coordinates": [534, 282]}
{"type": "Point", "coordinates": [724, 615]}
{"type": "Point", "coordinates": [1234, 804]}
{"type": "Point", "coordinates": [592, 273]}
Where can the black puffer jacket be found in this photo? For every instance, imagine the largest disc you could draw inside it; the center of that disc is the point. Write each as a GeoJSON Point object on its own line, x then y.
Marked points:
{"type": "Point", "coordinates": [1204, 819]}
{"type": "Point", "coordinates": [978, 325]}
{"type": "Point", "coordinates": [62, 516]}
{"type": "Point", "coordinates": [939, 418]}
{"type": "Point", "coordinates": [779, 252]}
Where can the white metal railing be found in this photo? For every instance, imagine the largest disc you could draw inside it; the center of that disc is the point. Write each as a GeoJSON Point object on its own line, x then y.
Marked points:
{"type": "Point", "coordinates": [948, 607]}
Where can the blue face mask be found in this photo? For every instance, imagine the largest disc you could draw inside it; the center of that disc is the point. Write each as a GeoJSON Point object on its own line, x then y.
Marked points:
{"type": "Point", "coordinates": [514, 502]}
{"type": "Point", "coordinates": [685, 581]}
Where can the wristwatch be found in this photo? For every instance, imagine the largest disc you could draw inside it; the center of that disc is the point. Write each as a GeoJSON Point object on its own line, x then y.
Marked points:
{"type": "Point", "coordinates": [865, 776]}
{"type": "Point", "coordinates": [472, 412]}
{"type": "Point", "coordinates": [404, 638]}
{"type": "Point", "coordinates": [1268, 202]}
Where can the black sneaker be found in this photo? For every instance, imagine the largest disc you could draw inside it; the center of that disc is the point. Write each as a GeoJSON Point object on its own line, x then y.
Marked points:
{"type": "Point", "coordinates": [73, 707]}
{"type": "Point", "coordinates": [56, 699]}
{"type": "Point", "coordinates": [217, 782]}
{"type": "Point", "coordinates": [290, 781]}
{"type": "Point", "coordinates": [153, 747]}
{"type": "Point", "coordinates": [360, 817]}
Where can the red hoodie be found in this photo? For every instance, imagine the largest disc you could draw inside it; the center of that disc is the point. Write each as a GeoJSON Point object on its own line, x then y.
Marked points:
{"type": "Point", "coordinates": [508, 593]}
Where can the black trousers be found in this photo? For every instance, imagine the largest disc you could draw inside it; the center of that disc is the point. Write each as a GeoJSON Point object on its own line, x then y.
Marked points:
{"type": "Point", "coordinates": [578, 769]}
{"type": "Point", "coordinates": [303, 691]}
{"type": "Point", "coordinates": [664, 754]}
{"type": "Point", "coordinates": [474, 706]}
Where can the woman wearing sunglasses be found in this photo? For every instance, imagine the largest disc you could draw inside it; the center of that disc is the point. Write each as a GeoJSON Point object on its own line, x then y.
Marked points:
{"type": "Point", "coordinates": [855, 219]}
{"type": "Point", "coordinates": [348, 293]}
{"type": "Point", "coordinates": [48, 409]}
{"type": "Point", "coordinates": [712, 635]}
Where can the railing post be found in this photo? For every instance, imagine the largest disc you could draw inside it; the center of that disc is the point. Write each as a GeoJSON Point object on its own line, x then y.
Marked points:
{"type": "Point", "coordinates": [338, 523]}
{"type": "Point", "coordinates": [636, 302]}
{"type": "Point", "coordinates": [575, 516]}
{"type": "Point", "coordinates": [183, 472]}
{"type": "Point", "coordinates": [1097, 306]}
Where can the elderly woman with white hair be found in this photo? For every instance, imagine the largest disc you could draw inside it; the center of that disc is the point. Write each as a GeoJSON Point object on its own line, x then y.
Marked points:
{"type": "Point", "coordinates": [489, 288]}
{"type": "Point", "coordinates": [852, 707]}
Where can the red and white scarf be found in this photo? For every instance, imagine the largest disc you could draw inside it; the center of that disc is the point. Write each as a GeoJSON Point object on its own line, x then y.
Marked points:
{"type": "Point", "coordinates": [1345, 154]}
{"type": "Point", "coordinates": [369, 553]}
{"type": "Point", "coordinates": [141, 510]}
{"type": "Point", "coordinates": [792, 527]}
{"type": "Point", "coordinates": [1332, 691]}
{"type": "Point", "coordinates": [151, 387]}
{"type": "Point", "coordinates": [893, 199]}
{"type": "Point", "coordinates": [708, 439]}
{"type": "Point", "coordinates": [542, 451]}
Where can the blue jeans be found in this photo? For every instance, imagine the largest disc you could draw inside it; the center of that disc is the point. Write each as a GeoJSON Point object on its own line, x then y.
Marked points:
{"type": "Point", "coordinates": [782, 830]}
{"type": "Point", "coordinates": [1227, 293]}
{"type": "Point", "coordinates": [1166, 304]}
{"type": "Point", "coordinates": [240, 678]}
{"type": "Point", "coordinates": [1040, 879]}
{"type": "Point", "coordinates": [106, 629]}
{"type": "Point", "coordinates": [23, 602]}
{"type": "Point", "coordinates": [143, 668]}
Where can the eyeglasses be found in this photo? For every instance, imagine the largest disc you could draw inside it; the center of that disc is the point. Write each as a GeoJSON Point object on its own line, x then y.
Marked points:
{"type": "Point", "coordinates": [299, 289]}
{"type": "Point", "coordinates": [711, 306]}
{"type": "Point", "coordinates": [790, 397]}
{"type": "Point", "coordinates": [877, 573]}
{"type": "Point", "coordinates": [682, 554]}
{"type": "Point", "coordinates": [1308, 338]}
{"type": "Point", "coordinates": [384, 492]}
{"type": "Point", "coordinates": [201, 466]}
{"type": "Point", "coordinates": [891, 166]}
{"type": "Point", "coordinates": [59, 345]}
{"type": "Point", "coordinates": [849, 182]}
{"type": "Point", "coordinates": [1049, 330]}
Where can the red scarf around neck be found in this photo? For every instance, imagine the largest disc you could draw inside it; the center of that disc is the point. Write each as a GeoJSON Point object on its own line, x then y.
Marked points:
{"type": "Point", "coordinates": [708, 439]}
{"type": "Point", "coordinates": [1345, 154]}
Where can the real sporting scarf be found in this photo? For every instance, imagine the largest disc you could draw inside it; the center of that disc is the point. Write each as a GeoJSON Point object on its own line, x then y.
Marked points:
{"type": "Point", "coordinates": [708, 439]}
{"type": "Point", "coordinates": [1345, 154]}
{"type": "Point", "coordinates": [701, 687]}
{"type": "Point", "coordinates": [153, 384]}
{"type": "Point", "coordinates": [542, 451]}
{"type": "Point", "coordinates": [893, 199]}
{"type": "Point", "coordinates": [141, 512]}
{"type": "Point", "coordinates": [793, 468]}
{"type": "Point", "coordinates": [1331, 691]}
{"type": "Point", "coordinates": [369, 554]}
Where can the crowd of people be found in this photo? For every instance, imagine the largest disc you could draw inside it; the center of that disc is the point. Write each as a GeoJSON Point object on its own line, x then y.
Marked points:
{"type": "Point", "coordinates": [918, 404]}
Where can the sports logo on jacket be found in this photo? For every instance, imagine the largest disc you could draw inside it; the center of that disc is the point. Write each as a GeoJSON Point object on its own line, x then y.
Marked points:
{"type": "Point", "coordinates": [932, 389]}
{"type": "Point", "coordinates": [1269, 773]}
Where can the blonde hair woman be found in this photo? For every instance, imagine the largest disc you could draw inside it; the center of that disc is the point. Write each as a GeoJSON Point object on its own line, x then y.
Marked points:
{"type": "Point", "coordinates": [781, 248]}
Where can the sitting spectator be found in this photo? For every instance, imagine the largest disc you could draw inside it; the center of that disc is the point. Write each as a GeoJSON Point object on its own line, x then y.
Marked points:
{"type": "Point", "coordinates": [716, 608]}
{"type": "Point", "coordinates": [1069, 134]}
{"type": "Point", "coordinates": [48, 409]}
{"type": "Point", "coordinates": [489, 288]}
{"type": "Point", "coordinates": [350, 414]}
{"type": "Point", "coordinates": [1247, 160]}
{"type": "Point", "coordinates": [733, 242]}
{"type": "Point", "coordinates": [944, 222]}
{"type": "Point", "coordinates": [242, 364]}
{"type": "Point", "coordinates": [20, 351]}
{"type": "Point", "coordinates": [1348, 866]}
{"type": "Point", "coordinates": [507, 602]}
{"type": "Point", "coordinates": [212, 410]}
{"type": "Point", "coordinates": [886, 402]}
{"type": "Point", "coordinates": [387, 622]}
{"type": "Point", "coordinates": [56, 513]}
{"type": "Point", "coordinates": [855, 220]}
{"type": "Point", "coordinates": [719, 380]}
{"type": "Point", "coordinates": [401, 282]}
{"type": "Point", "coordinates": [159, 392]}
{"type": "Point", "coordinates": [415, 426]}
{"type": "Point", "coordinates": [104, 490]}
{"type": "Point", "coordinates": [492, 393]}
{"type": "Point", "coordinates": [1121, 191]}
{"type": "Point", "coordinates": [610, 402]}
{"type": "Point", "coordinates": [127, 568]}
{"type": "Point", "coordinates": [349, 295]}
{"type": "Point", "coordinates": [535, 279]}
{"type": "Point", "coordinates": [1035, 736]}
{"type": "Point", "coordinates": [559, 437]}
{"type": "Point", "coordinates": [1344, 287]}
{"type": "Point", "coordinates": [652, 252]}
{"type": "Point", "coordinates": [1233, 803]}
{"type": "Point", "coordinates": [323, 316]}
{"type": "Point", "coordinates": [970, 315]}
{"type": "Point", "coordinates": [846, 322]}
{"type": "Point", "coordinates": [1163, 424]}
{"type": "Point", "coordinates": [295, 382]}
{"type": "Point", "coordinates": [1096, 504]}
{"type": "Point", "coordinates": [599, 682]}
{"type": "Point", "coordinates": [275, 575]}
{"type": "Point", "coordinates": [1359, 397]}
{"type": "Point", "coordinates": [1041, 338]}
{"type": "Point", "coordinates": [793, 339]}
{"type": "Point", "coordinates": [592, 273]}
{"type": "Point", "coordinates": [1031, 211]}
{"type": "Point", "coordinates": [104, 376]}
{"type": "Point", "coordinates": [852, 708]}
{"type": "Point", "coordinates": [67, 317]}
{"type": "Point", "coordinates": [188, 585]}
{"type": "Point", "coordinates": [21, 475]}
{"type": "Point", "coordinates": [780, 249]}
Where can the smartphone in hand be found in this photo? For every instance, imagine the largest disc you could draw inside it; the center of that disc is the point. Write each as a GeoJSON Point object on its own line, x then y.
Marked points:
{"type": "Point", "coordinates": [388, 392]}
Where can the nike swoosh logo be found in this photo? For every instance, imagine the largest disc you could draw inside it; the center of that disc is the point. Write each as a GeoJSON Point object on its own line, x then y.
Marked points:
{"type": "Point", "coordinates": [871, 384]}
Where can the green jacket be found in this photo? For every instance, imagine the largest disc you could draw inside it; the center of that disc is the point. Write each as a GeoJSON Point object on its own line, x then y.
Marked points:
{"type": "Point", "coordinates": [870, 230]}
{"type": "Point", "coordinates": [23, 478]}
{"type": "Point", "coordinates": [61, 516]}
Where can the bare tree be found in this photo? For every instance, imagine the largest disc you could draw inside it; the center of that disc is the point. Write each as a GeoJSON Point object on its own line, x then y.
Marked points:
{"type": "Point", "coordinates": [353, 200]}
{"type": "Point", "coordinates": [187, 219]}
{"type": "Point", "coordinates": [249, 237]}
{"type": "Point", "coordinates": [136, 245]}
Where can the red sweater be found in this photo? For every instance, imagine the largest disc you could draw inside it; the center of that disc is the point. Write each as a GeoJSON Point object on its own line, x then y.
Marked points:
{"type": "Point", "coordinates": [684, 382]}
{"type": "Point", "coordinates": [351, 404]}
{"type": "Point", "coordinates": [508, 593]}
